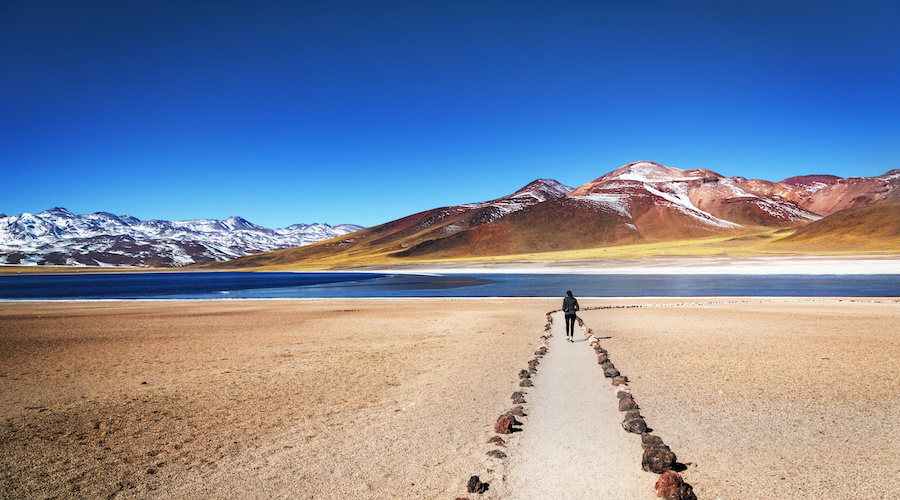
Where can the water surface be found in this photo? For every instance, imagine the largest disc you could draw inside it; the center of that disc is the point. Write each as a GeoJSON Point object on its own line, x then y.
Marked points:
{"type": "Point", "coordinates": [218, 285]}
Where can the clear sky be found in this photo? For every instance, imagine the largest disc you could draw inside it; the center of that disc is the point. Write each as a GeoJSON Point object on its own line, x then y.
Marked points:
{"type": "Point", "coordinates": [366, 111]}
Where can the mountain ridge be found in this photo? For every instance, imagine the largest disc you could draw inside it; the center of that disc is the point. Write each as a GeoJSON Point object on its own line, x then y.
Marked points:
{"type": "Point", "coordinates": [58, 236]}
{"type": "Point", "coordinates": [639, 202]}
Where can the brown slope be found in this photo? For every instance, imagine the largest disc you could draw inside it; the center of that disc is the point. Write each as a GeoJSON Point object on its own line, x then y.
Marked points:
{"type": "Point", "coordinates": [871, 228]}
{"type": "Point", "coordinates": [811, 183]}
{"type": "Point", "coordinates": [559, 224]}
{"type": "Point", "coordinates": [854, 192]}
{"type": "Point", "coordinates": [396, 235]}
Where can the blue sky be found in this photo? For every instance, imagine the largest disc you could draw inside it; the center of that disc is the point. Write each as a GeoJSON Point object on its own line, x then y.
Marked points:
{"type": "Point", "coordinates": [363, 112]}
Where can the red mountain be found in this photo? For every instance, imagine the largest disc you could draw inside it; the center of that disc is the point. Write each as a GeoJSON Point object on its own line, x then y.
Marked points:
{"type": "Point", "coordinates": [853, 192]}
{"type": "Point", "coordinates": [430, 225]}
{"type": "Point", "coordinates": [639, 202]}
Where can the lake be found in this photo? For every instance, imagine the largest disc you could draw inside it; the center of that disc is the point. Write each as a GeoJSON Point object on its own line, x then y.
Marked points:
{"type": "Point", "coordinates": [247, 285]}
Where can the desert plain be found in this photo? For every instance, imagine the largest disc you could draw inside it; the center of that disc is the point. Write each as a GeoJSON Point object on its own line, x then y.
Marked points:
{"type": "Point", "coordinates": [396, 398]}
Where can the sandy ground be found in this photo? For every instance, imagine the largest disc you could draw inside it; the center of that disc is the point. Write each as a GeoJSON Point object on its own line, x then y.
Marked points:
{"type": "Point", "coordinates": [396, 398]}
{"type": "Point", "coordinates": [783, 399]}
{"type": "Point", "coordinates": [256, 399]}
{"type": "Point", "coordinates": [572, 445]}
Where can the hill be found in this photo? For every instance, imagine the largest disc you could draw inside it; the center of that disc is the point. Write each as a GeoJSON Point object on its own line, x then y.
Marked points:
{"type": "Point", "coordinates": [870, 228]}
{"type": "Point", "coordinates": [639, 203]}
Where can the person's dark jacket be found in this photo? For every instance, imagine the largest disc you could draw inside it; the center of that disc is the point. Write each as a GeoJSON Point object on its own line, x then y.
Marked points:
{"type": "Point", "coordinates": [570, 305]}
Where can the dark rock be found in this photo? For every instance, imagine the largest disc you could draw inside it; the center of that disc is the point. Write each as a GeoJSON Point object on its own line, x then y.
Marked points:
{"type": "Point", "coordinates": [621, 380]}
{"type": "Point", "coordinates": [496, 454]}
{"type": "Point", "coordinates": [497, 440]}
{"type": "Point", "coordinates": [632, 414]}
{"type": "Point", "coordinates": [626, 404]}
{"type": "Point", "coordinates": [651, 441]}
{"type": "Point", "coordinates": [600, 350]}
{"type": "Point", "coordinates": [623, 394]}
{"type": "Point", "coordinates": [526, 383]}
{"type": "Point", "coordinates": [635, 425]}
{"type": "Point", "coordinates": [657, 460]}
{"type": "Point", "coordinates": [518, 399]}
{"type": "Point", "coordinates": [476, 486]}
{"type": "Point", "coordinates": [602, 358]}
{"type": "Point", "coordinates": [683, 492]}
{"type": "Point", "coordinates": [524, 374]}
{"type": "Point", "coordinates": [511, 417]}
{"type": "Point", "coordinates": [517, 412]}
{"type": "Point", "coordinates": [609, 370]}
{"type": "Point", "coordinates": [533, 363]}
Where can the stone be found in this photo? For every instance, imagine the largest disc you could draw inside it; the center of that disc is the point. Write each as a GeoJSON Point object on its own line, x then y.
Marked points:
{"type": "Point", "coordinates": [519, 412]}
{"type": "Point", "coordinates": [602, 358]}
{"type": "Point", "coordinates": [622, 394]}
{"type": "Point", "coordinates": [657, 460]}
{"type": "Point", "coordinates": [621, 380]}
{"type": "Point", "coordinates": [683, 492]}
{"type": "Point", "coordinates": [635, 425]}
{"type": "Point", "coordinates": [496, 454]}
{"type": "Point", "coordinates": [626, 404]}
{"type": "Point", "coordinates": [504, 425]}
{"type": "Point", "coordinates": [609, 370]}
{"type": "Point", "coordinates": [476, 486]}
{"type": "Point", "coordinates": [497, 440]}
{"type": "Point", "coordinates": [524, 374]}
{"type": "Point", "coordinates": [668, 482]}
{"type": "Point", "coordinates": [526, 383]}
{"type": "Point", "coordinates": [651, 441]}
{"type": "Point", "coordinates": [520, 399]}
{"type": "Point", "coordinates": [632, 414]}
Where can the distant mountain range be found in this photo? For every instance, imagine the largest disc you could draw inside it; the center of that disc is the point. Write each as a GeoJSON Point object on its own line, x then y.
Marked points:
{"type": "Point", "coordinates": [637, 203]}
{"type": "Point", "coordinates": [61, 238]}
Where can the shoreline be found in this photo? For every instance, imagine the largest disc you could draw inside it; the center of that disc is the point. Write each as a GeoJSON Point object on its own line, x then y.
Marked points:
{"type": "Point", "coordinates": [798, 264]}
{"type": "Point", "coordinates": [757, 265]}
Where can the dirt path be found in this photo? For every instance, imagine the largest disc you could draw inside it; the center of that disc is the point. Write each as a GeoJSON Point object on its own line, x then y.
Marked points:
{"type": "Point", "coordinates": [573, 444]}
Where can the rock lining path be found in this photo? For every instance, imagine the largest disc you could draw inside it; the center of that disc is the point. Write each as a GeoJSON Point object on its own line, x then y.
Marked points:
{"type": "Point", "coordinates": [572, 444]}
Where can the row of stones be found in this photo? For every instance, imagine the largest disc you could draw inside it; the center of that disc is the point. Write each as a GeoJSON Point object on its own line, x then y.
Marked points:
{"type": "Point", "coordinates": [507, 422]}
{"type": "Point", "coordinates": [657, 458]}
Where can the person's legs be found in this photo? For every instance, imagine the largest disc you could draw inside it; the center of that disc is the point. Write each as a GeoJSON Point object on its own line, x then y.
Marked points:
{"type": "Point", "coordinates": [570, 326]}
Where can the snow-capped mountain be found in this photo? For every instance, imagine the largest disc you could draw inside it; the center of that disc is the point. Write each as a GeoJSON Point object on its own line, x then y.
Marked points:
{"type": "Point", "coordinates": [60, 237]}
{"type": "Point", "coordinates": [695, 199]}
{"type": "Point", "coordinates": [637, 203]}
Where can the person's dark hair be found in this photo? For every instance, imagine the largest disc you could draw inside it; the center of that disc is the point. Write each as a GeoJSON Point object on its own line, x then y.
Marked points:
{"type": "Point", "coordinates": [569, 293]}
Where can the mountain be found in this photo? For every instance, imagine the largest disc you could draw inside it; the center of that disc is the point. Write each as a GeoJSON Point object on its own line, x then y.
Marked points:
{"type": "Point", "coordinates": [407, 232]}
{"type": "Point", "coordinates": [874, 228]}
{"type": "Point", "coordinates": [60, 237]}
{"type": "Point", "coordinates": [639, 202]}
{"type": "Point", "coordinates": [854, 192]}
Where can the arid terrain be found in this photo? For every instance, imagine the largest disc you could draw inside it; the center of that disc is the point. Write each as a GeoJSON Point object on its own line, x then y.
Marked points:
{"type": "Point", "coordinates": [396, 398]}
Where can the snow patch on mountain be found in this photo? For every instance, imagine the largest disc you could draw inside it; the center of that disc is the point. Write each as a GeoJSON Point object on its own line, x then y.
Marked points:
{"type": "Point", "coordinates": [60, 237]}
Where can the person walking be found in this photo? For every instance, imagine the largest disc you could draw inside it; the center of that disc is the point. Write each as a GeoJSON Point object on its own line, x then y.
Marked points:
{"type": "Point", "coordinates": [570, 305]}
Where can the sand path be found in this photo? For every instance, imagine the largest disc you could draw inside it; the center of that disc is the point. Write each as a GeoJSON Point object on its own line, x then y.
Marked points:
{"type": "Point", "coordinates": [573, 444]}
